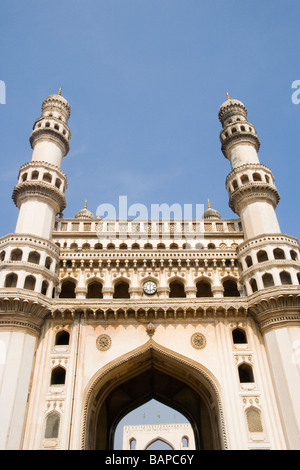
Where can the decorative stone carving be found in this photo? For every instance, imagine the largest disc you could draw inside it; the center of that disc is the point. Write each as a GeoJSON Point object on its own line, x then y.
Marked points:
{"type": "Point", "coordinates": [150, 329]}
{"type": "Point", "coordinates": [198, 341]}
{"type": "Point", "coordinates": [103, 342]}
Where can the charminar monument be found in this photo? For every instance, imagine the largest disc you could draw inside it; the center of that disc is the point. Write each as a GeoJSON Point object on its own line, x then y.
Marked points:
{"type": "Point", "coordinates": [98, 315]}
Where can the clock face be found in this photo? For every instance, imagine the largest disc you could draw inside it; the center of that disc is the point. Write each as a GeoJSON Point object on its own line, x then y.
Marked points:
{"type": "Point", "coordinates": [149, 287]}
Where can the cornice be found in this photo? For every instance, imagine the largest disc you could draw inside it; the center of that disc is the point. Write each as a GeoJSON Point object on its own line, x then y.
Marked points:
{"type": "Point", "coordinates": [29, 240]}
{"type": "Point", "coordinates": [49, 134]}
{"type": "Point", "coordinates": [43, 164]}
{"type": "Point", "coordinates": [23, 309]}
{"type": "Point", "coordinates": [247, 166]}
{"type": "Point", "coordinates": [39, 188]}
{"type": "Point", "coordinates": [241, 137]}
{"type": "Point", "coordinates": [33, 268]}
{"type": "Point", "coordinates": [124, 310]}
{"type": "Point", "coordinates": [253, 191]}
{"type": "Point", "coordinates": [268, 265]}
{"type": "Point", "coordinates": [266, 239]}
{"type": "Point", "coordinates": [276, 307]}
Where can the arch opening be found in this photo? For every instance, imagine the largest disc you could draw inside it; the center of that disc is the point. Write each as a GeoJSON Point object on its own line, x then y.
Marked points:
{"type": "Point", "coordinates": [152, 374]}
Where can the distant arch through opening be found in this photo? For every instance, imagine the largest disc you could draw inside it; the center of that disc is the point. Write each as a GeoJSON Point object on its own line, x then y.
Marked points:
{"type": "Point", "coordinates": [159, 444]}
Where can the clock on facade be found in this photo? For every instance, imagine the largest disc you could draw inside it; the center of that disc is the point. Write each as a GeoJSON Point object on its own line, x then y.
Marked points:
{"type": "Point", "coordinates": [149, 287]}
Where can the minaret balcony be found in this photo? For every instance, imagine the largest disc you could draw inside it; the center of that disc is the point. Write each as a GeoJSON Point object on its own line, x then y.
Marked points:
{"type": "Point", "coordinates": [43, 171]}
{"type": "Point", "coordinates": [238, 132]}
{"type": "Point", "coordinates": [41, 189]}
{"type": "Point", "coordinates": [251, 181]}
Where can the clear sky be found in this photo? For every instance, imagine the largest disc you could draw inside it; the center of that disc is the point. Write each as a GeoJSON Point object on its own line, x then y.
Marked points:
{"type": "Point", "coordinates": [145, 79]}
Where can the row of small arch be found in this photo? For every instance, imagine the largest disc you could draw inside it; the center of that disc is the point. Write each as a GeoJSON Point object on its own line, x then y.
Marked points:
{"type": "Point", "coordinates": [237, 128]}
{"type": "Point", "coordinates": [33, 257]}
{"type": "Point", "coordinates": [262, 256]}
{"type": "Point", "coordinates": [268, 280]}
{"type": "Point", "coordinates": [244, 179]}
{"type": "Point", "coordinates": [47, 124]}
{"type": "Point", "coordinates": [11, 280]}
{"type": "Point", "coordinates": [147, 246]}
{"type": "Point", "coordinates": [46, 177]}
{"type": "Point", "coordinates": [122, 291]}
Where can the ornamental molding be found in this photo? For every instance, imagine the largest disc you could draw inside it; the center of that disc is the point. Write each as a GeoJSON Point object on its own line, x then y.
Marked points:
{"type": "Point", "coordinates": [245, 167]}
{"type": "Point", "coordinates": [37, 164]}
{"type": "Point", "coordinates": [267, 239]}
{"type": "Point", "coordinates": [26, 303]}
{"type": "Point", "coordinates": [39, 188]}
{"type": "Point", "coordinates": [30, 327]}
{"type": "Point", "coordinates": [57, 101]}
{"type": "Point", "coordinates": [49, 134]}
{"type": "Point", "coordinates": [32, 268]}
{"type": "Point", "coordinates": [242, 137]}
{"type": "Point", "coordinates": [150, 329]}
{"type": "Point", "coordinates": [103, 342]}
{"type": "Point", "coordinates": [198, 341]}
{"type": "Point", "coordinates": [29, 240]}
{"type": "Point", "coordinates": [164, 310]}
{"type": "Point", "coordinates": [281, 264]}
{"type": "Point", "coordinates": [253, 191]}
{"type": "Point", "coordinates": [276, 309]}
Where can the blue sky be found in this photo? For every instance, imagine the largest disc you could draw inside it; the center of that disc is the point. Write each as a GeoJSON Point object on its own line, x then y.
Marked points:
{"type": "Point", "coordinates": [145, 80]}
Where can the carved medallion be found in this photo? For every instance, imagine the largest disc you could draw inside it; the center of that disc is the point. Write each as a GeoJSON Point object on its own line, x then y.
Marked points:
{"type": "Point", "coordinates": [103, 342]}
{"type": "Point", "coordinates": [198, 341]}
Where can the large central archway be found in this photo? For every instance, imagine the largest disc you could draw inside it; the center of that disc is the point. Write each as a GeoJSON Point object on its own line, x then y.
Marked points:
{"type": "Point", "coordinates": [153, 372]}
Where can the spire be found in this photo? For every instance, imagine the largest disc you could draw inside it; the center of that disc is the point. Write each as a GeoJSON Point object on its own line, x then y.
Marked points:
{"type": "Point", "coordinates": [228, 97]}
{"type": "Point", "coordinates": [85, 204]}
{"type": "Point", "coordinates": [208, 204]}
{"type": "Point", "coordinates": [59, 92]}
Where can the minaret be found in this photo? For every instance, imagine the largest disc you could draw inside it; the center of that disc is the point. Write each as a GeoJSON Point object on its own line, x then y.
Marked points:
{"type": "Point", "coordinates": [252, 192]}
{"type": "Point", "coordinates": [29, 261]}
{"type": "Point", "coordinates": [42, 184]}
{"type": "Point", "coordinates": [269, 260]}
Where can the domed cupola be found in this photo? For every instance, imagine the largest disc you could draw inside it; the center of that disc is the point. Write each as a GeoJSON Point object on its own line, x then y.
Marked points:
{"type": "Point", "coordinates": [211, 213]}
{"type": "Point", "coordinates": [84, 213]}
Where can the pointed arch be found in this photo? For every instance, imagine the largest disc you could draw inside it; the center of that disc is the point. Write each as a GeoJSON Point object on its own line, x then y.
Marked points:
{"type": "Point", "coordinates": [203, 285]}
{"type": "Point", "coordinates": [68, 288]}
{"type": "Point", "coordinates": [121, 287]}
{"type": "Point", "coordinates": [161, 439]}
{"type": "Point", "coordinates": [132, 368]}
{"type": "Point", "coordinates": [230, 285]}
{"type": "Point", "coordinates": [52, 425]}
{"type": "Point", "coordinates": [94, 288]}
{"type": "Point", "coordinates": [176, 286]}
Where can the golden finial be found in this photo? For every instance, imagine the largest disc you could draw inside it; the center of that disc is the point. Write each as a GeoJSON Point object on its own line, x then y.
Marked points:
{"type": "Point", "coordinates": [208, 204]}
{"type": "Point", "coordinates": [59, 92]}
{"type": "Point", "coordinates": [85, 204]}
{"type": "Point", "coordinates": [228, 97]}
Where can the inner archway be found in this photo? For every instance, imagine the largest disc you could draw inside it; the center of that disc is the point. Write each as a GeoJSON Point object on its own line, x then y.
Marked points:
{"type": "Point", "coordinates": [153, 372]}
{"type": "Point", "coordinates": [149, 425]}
